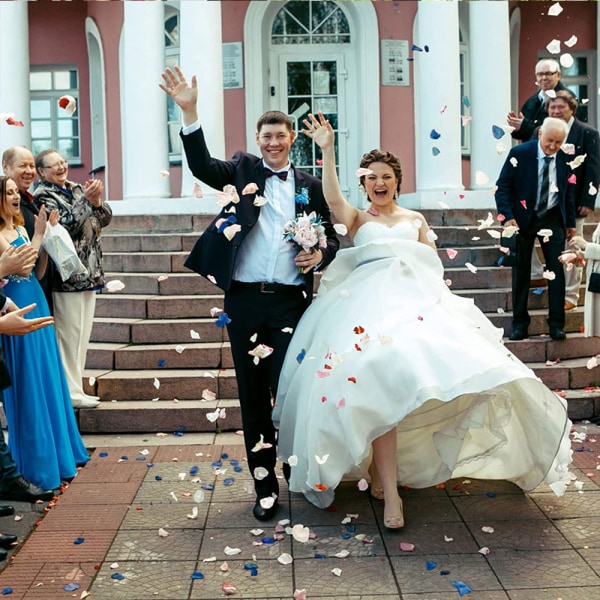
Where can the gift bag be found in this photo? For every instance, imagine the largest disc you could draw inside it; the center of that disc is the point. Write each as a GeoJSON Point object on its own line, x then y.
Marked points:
{"type": "Point", "coordinates": [60, 248]}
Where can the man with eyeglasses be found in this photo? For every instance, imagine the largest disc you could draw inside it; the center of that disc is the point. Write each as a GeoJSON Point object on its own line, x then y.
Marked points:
{"type": "Point", "coordinates": [533, 112]}
{"type": "Point", "coordinates": [18, 164]}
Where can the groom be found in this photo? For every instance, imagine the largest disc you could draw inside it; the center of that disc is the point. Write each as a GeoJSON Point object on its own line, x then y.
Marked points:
{"type": "Point", "coordinates": [267, 284]}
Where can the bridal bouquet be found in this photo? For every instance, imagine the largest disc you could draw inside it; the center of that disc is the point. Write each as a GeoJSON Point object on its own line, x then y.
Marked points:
{"type": "Point", "coordinates": [306, 232]}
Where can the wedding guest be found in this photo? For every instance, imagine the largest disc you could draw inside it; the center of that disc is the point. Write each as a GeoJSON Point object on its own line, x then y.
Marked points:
{"type": "Point", "coordinates": [533, 194]}
{"type": "Point", "coordinates": [44, 439]}
{"type": "Point", "coordinates": [590, 251]}
{"type": "Point", "coordinates": [83, 213]}
{"type": "Point", "coordinates": [267, 283]}
{"type": "Point", "coordinates": [389, 367]}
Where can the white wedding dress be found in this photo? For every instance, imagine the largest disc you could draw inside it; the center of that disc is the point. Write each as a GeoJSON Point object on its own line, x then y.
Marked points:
{"type": "Point", "coordinates": [387, 345]}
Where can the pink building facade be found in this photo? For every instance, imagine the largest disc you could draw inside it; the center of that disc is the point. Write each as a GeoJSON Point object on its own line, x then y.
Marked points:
{"type": "Point", "coordinates": [426, 80]}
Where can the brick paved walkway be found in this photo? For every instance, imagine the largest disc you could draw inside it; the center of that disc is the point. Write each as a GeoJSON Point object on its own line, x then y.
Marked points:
{"type": "Point", "coordinates": [542, 547]}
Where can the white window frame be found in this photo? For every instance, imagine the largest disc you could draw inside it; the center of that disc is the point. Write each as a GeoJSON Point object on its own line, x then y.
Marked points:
{"type": "Point", "coordinates": [56, 113]}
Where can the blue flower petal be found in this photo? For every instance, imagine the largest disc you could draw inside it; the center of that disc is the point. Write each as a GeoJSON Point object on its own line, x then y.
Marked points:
{"type": "Point", "coordinates": [498, 132]}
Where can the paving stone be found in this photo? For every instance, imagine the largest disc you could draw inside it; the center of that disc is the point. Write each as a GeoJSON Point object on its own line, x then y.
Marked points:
{"type": "Point", "coordinates": [413, 577]}
{"type": "Point", "coordinates": [592, 557]}
{"type": "Point", "coordinates": [536, 534]}
{"type": "Point", "coordinates": [428, 509]}
{"type": "Point", "coordinates": [238, 490]}
{"type": "Point", "coordinates": [500, 508]}
{"type": "Point", "coordinates": [330, 540]}
{"type": "Point", "coordinates": [168, 580]}
{"type": "Point", "coordinates": [69, 517]}
{"type": "Point", "coordinates": [165, 454]}
{"type": "Point", "coordinates": [112, 471]}
{"type": "Point", "coordinates": [170, 472]}
{"type": "Point", "coordinates": [348, 500]}
{"type": "Point", "coordinates": [160, 492]}
{"type": "Point", "coordinates": [147, 544]}
{"type": "Point", "coordinates": [168, 516]}
{"type": "Point", "coordinates": [52, 578]}
{"type": "Point", "coordinates": [360, 575]}
{"type": "Point", "coordinates": [273, 581]}
{"type": "Point", "coordinates": [214, 542]}
{"type": "Point", "coordinates": [581, 532]}
{"type": "Point", "coordinates": [535, 569]}
{"type": "Point", "coordinates": [225, 515]}
{"type": "Point", "coordinates": [100, 493]}
{"type": "Point", "coordinates": [20, 575]}
{"type": "Point", "coordinates": [569, 505]}
{"type": "Point", "coordinates": [462, 486]}
{"type": "Point", "coordinates": [59, 547]}
{"type": "Point", "coordinates": [429, 538]}
{"type": "Point", "coordinates": [570, 593]}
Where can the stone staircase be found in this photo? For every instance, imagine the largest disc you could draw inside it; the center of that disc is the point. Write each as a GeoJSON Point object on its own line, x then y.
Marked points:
{"type": "Point", "coordinates": [155, 347]}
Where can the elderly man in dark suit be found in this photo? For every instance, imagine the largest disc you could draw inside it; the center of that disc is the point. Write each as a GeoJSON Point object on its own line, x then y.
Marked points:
{"type": "Point", "coordinates": [585, 143]}
{"type": "Point", "coordinates": [533, 111]}
{"type": "Point", "coordinates": [18, 164]}
{"type": "Point", "coordinates": [267, 283]}
{"type": "Point", "coordinates": [533, 194]}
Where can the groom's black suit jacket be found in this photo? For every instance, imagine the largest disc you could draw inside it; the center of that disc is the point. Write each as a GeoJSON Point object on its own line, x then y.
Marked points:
{"type": "Point", "coordinates": [213, 254]}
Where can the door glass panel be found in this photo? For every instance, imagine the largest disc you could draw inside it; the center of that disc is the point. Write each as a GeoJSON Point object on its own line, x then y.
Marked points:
{"type": "Point", "coordinates": [40, 109]}
{"type": "Point", "coordinates": [312, 83]}
{"type": "Point", "coordinates": [298, 78]}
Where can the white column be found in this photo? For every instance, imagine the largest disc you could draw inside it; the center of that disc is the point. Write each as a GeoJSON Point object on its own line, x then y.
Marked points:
{"type": "Point", "coordinates": [14, 72]}
{"type": "Point", "coordinates": [144, 104]}
{"type": "Point", "coordinates": [489, 75]}
{"type": "Point", "coordinates": [201, 55]}
{"type": "Point", "coordinates": [437, 96]}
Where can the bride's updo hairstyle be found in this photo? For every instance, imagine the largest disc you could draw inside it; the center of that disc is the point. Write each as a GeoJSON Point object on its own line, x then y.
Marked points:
{"type": "Point", "coordinates": [382, 156]}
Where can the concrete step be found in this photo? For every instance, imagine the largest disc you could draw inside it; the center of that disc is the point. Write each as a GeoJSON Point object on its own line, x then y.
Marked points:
{"type": "Point", "coordinates": [152, 283]}
{"type": "Point", "coordinates": [145, 262]}
{"type": "Point", "coordinates": [180, 384]}
{"type": "Point", "coordinates": [567, 374]}
{"type": "Point", "coordinates": [144, 331]}
{"type": "Point", "coordinates": [143, 242]}
{"type": "Point", "coordinates": [538, 325]}
{"type": "Point", "coordinates": [162, 416]}
{"type": "Point", "coordinates": [157, 356]}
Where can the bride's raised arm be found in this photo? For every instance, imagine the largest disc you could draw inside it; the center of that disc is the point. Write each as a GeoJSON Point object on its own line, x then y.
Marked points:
{"type": "Point", "coordinates": [321, 131]}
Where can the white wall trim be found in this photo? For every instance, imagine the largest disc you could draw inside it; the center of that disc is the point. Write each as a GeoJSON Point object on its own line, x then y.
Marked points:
{"type": "Point", "coordinates": [92, 35]}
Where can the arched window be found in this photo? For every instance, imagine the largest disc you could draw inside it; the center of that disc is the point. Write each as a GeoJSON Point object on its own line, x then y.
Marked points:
{"type": "Point", "coordinates": [172, 59]}
{"type": "Point", "coordinates": [313, 22]}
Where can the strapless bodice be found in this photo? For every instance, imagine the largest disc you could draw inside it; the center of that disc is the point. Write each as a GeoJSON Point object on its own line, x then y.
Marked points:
{"type": "Point", "coordinates": [372, 230]}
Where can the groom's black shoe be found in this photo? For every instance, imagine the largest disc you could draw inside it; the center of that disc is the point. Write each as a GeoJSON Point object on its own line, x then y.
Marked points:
{"type": "Point", "coordinates": [264, 514]}
{"type": "Point", "coordinates": [518, 333]}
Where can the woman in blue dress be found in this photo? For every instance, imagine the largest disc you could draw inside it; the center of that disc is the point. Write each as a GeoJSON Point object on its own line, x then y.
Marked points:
{"type": "Point", "coordinates": [43, 435]}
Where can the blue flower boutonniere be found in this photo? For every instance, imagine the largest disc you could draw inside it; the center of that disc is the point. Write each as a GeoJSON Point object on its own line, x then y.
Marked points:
{"type": "Point", "coordinates": [301, 196]}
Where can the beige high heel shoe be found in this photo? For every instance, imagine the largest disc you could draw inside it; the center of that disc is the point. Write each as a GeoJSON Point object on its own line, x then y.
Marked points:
{"type": "Point", "coordinates": [395, 521]}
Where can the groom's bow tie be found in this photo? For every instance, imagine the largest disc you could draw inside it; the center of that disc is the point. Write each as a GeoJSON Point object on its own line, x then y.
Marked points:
{"type": "Point", "coordinates": [282, 174]}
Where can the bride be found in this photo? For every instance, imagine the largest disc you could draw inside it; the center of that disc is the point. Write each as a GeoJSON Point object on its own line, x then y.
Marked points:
{"type": "Point", "coordinates": [390, 372]}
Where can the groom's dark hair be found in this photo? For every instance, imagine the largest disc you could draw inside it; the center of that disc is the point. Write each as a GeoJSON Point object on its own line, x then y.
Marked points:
{"type": "Point", "coordinates": [382, 156]}
{"type": "Point", "coordinates": [274, 117]}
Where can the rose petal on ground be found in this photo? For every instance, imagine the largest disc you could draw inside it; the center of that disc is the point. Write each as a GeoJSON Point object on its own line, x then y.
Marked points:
{"type": "Point", "coordinates": [285, 559]}
{"type": "Point", "coordinates": [232, 551]}
{"type": "Point", "coordinates": [300, 594]}
{"type": "Point", "coordinates": [163, 532]}
{"type": "Point", "coordinates": [228, 589]}
{"type": "Point", "coordinates": [471, 267]}
{"type": "Point", "coordinates": [194, 513]}
{"type": "Point", "coordinates": [406, 547]}
{"type": "Point", "coordinates": [484, 550]}
{"type": "Point", "coordinates": [194, 334]}
{"type": "Point", "coordinates": [451, 253]}
{"type": "Point", "coordinates": [300, 533]}
{"type": "Point", "coordinates": [215, 311]}
{"type": "Point", "coordinates": [342, 554]}
{"type": "Point", "coordinates": [592, 362]}
{"type": "Point", "coordinates": [337, 572]}
{"type": "Point", "coordinates": [493, 233]}
{"type": "Point", "coordinates": [487, 529]}
{"type": "Point", "coordinates": [267, 502]}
